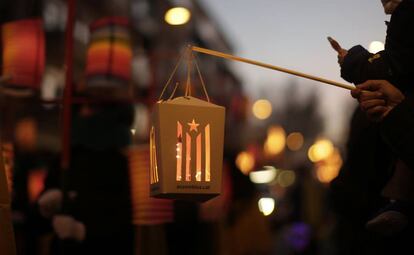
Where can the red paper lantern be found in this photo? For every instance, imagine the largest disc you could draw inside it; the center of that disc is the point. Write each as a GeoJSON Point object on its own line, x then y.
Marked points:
{"type": "Point", "coordinates": [23, 52]}
{"type": "Point", "coordinates": [109, 54]}
{"type": "Point", "coordinates": [146, 210]}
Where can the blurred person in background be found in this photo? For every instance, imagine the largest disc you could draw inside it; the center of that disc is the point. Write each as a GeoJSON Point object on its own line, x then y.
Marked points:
{"type": "Point", "coordinates": [91, 209]}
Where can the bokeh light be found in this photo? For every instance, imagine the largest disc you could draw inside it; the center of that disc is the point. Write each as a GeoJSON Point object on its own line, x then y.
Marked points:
{"type": "Point", "coordinates": [329, 168]}
{"type": "Point", "coordinates": [266, 205]}
{"type": "Point", "coordinates": [177, 16]}
{"type": "Point", "coordinates": [262, 109]}
{"type": "Point", "coordinates": [266, 175]}
{"type": "Point", "coordinates": [294, 141]}
{"type": "Point", "coordinates": [276, 141]}
{"type": "Point", "coordinates": [245, 162]}
{"type": "Point", "coordinates": [375, 46]}
{"type": "Point", "coordinates": [286, 178]}
{"type": "Point", "coordinates": [320, 150]}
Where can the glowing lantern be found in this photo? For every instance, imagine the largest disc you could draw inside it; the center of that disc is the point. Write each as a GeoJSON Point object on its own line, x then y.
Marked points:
{"type": "Point", "coordinates": [186, 143]}
{"type": "Point", "coordinates": [146, 210]}
{"type": "Point", "coordinates": [108, 64]}
{"type": "Point", "coordinates": [6, 230]}
{"type": "Point", "coordinates": [23, 53]}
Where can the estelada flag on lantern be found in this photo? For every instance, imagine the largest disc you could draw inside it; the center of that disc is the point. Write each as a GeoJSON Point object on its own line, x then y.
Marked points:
{"type": "Point", "coordinates": [186, 147]}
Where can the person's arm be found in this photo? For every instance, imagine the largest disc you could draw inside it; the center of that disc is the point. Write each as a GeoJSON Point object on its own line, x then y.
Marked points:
{"type": "Point", "coordinates": [359, 65]}
{"type": "Point", "coordinates": [384, 103]}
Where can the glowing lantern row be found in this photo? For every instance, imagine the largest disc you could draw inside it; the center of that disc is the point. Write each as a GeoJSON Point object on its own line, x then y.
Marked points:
{"type": "Point", "coordinates": [186, 144]}
{"type": "Point", "coordinates": [108, 63]}
{"type": "Point", "coordinates": [23, 53]}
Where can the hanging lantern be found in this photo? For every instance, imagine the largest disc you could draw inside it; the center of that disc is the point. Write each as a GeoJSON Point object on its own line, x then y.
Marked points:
{"type": "Point", "coordinates": [108, 64]}
{"type": "Point", "coordinates": [23, 53]}
{"type": "Point", "coordinates": [186, 142]}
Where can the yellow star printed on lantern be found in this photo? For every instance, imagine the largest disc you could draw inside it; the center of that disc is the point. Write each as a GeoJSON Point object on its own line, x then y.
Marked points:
{"type": "Point", "coordinates": [193, 126]}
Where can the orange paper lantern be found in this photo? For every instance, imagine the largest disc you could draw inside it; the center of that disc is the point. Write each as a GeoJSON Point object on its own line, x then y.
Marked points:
{"type": "Point", "coordinates": [146, 210]}
{"type": "Point", "coordinates": [23, 53]}
{"type": "Point", "coordinates": [109, 55]}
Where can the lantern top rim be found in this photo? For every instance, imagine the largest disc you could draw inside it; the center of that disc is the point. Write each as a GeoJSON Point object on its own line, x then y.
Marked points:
{"type": "Point", "coordinates": [189, 100]}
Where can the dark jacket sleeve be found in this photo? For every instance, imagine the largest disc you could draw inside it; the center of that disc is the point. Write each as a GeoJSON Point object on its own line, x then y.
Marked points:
{"type": "Point", "coordinates": [397, 130]}
{"type": "Point", "coordinates": [360, 65]}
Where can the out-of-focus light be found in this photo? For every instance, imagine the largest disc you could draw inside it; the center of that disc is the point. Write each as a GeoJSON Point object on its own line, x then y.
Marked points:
{"type": "Point", "coordinates": [133, 131]}
{"type": "Point", "coordinates": [267, 175]}
{"type": "Point", "coordinates": [276, 141]}
{"type": "Point", "coordinates": [286, 178]}
{"type": "Point", "coordinates": [245, 162]}
{"type": "Point", "coordinates": [262, 109]}
{"type": "Point", "coordinates": [329, 169]}
{"type": "Point", "coordinates": [320, 150]}
{"type": "Point", "coordinates": [375, 47]}
{"type": "Point", "coordinates": [141, 121]}
{"type": "Point", "coordinates": [294, 141]}
{"type": "Point", "coordinates": [26, 133]}
{"type": "Point", "coordinates": [266, 205]}
{"type": "Point", "coordinates": [177, 16]}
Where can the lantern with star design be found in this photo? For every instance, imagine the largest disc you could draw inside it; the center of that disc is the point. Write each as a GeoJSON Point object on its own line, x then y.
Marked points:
{"type": "Point", "coordinates": [186, 147]}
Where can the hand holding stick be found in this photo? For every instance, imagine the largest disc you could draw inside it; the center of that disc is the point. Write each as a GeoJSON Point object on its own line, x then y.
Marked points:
{"type": "Point", "coordinates": [377, 98]}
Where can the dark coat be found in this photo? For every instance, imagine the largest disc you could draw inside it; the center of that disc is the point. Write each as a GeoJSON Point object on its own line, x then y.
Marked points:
{"type": "Point", "coordinates": [396, 62]}
{"type": "Point", "coordinates": [397, 130]}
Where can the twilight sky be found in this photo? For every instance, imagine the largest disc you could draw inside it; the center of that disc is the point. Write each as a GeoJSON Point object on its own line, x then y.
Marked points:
{"type": "Point", "coordinates": [292, 34]}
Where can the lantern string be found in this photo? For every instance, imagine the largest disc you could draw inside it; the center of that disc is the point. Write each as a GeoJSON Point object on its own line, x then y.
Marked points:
{"type": "Point", "coordinates": [175, 89]}
{"type": "Point", "coordinates": [200, 76]}
{"type": "Point", "coordinates": [284, 70]}
{"type": "Point", "coordinates": [171, 76]}
{"type": "Point", "coordinates": [189, 63]}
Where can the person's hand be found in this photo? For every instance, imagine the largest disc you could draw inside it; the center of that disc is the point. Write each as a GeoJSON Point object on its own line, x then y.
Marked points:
{"type": "Point", "coordinates": [50, 202]}
{"type": "Point", "coordinates": [377, 98]}
{"type": "Point", "coordinates": [66, 227]}
{"type": "Point", "coordinates": [341, 52]}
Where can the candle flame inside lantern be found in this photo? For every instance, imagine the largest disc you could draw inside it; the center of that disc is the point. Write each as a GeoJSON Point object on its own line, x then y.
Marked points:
{"type": "Point", "coordinates": [179, 150]}
{"type": "Point", "coordinates": [153, 159]}
{"type": "Point", "coordinates": [190, 151]}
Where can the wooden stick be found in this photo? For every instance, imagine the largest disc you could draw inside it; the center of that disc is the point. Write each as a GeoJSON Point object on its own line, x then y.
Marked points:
{"type": "Point", "coordinates": [284, 70]}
